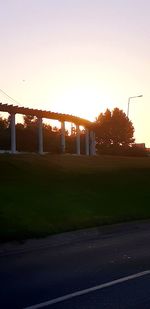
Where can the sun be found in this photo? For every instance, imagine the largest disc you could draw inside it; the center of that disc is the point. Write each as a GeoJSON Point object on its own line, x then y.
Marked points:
{"type": "Point", "coordinates": [85, 102]}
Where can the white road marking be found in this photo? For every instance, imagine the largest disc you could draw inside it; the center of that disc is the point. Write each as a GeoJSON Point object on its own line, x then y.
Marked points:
{"type": "Point", "coordinates": [89, 290]}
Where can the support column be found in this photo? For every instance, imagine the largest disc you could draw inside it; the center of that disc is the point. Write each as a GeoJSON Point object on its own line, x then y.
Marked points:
{"type": "Point", "coordinates": [63, 144]}
{"type": "Point", "coordinates": [13, 133]}
{"type": "Point", "coordinates": [94, 144]}
{"type": "Point", "coordinates": [40, 136]}
{"type": "Point", "coordinates": [91, 143]}
{"type": "Point", "coordinates": [87, 148]}
{"type": "Point", "coordinates": [77, 140]}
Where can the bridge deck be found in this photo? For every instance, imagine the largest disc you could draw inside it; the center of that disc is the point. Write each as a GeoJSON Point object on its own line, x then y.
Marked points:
{"type": "Point", "coordinates": [11, 109]}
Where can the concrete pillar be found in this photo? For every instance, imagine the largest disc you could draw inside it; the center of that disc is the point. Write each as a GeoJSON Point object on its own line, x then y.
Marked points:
{"type": "Point", "coordinates": [13, 133]}
{"type": "Point", "coordinates": [40, 136]}
{"type": "Point", "coordinates": [87, 145]}
{"type": "Point", "coordinates": [92, 144]}
{"type": "Point", "coordinates": [77, 140]}
{"type": "Point", "coordinates": [63, 145]}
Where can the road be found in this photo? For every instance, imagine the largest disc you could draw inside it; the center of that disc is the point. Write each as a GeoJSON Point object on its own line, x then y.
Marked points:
{"type": "Point", "coordinates": [107, 268]}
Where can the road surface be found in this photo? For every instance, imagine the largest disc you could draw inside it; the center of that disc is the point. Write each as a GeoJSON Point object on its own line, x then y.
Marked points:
{"type": "Point", "coordinates": [106, 268]}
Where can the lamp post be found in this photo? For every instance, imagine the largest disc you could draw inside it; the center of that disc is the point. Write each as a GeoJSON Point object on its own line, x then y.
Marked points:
{"type": "Point", "coordinates": [137, 96]}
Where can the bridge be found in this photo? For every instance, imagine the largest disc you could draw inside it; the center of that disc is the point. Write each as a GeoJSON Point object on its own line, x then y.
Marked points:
{"type": "Point", "coordinates": [40, 114]}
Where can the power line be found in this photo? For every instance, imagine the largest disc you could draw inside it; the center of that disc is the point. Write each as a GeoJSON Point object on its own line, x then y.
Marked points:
{"type": "Point", "coordinates": [10, 97]}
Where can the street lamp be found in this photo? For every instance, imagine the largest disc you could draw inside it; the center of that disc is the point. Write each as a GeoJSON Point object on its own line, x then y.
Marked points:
{"type": "Point", "coordinates": [137, 96]}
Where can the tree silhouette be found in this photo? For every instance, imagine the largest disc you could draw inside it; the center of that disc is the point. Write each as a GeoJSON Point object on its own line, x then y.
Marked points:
{"type": "Point", "coordinates": [29, 121]}
{"type": "Point", "coordinates": [114, 129]}
{"type": "Point", "coordinates": [3, 123]}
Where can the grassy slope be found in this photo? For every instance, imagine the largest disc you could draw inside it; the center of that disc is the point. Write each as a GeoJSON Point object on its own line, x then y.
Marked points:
{"type": "Point", "coordinates": [50, 194]}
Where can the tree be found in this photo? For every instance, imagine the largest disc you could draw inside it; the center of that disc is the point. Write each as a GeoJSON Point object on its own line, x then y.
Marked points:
{"type": "Point", "coordinates": [29, 121]}
{"type": "Point", "coordinates": [47, 127]}
{"type": "Point", "coordinates": [114, 129]}
{"type": "Point", "coordinates": [103, 128]}
{"type": "Point", "coordinates": [3, 123]}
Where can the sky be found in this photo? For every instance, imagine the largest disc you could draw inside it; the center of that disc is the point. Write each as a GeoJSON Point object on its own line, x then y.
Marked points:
{"type": "Point", "coordinates": [78, 57]}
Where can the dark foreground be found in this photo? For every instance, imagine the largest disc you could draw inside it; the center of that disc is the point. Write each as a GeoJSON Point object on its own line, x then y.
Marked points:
{"type": "Point", "coordinates": [44, 195]}
{"type": "Point", "coordinates": [78, 262]}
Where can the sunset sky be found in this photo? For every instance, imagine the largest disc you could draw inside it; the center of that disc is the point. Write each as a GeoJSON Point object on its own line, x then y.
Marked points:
{"type": "Point", "coordinates": [78, 57]}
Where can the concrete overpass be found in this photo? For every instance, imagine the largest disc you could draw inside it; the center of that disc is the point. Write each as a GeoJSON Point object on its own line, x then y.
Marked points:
{"type": "Point", "coordinates": [40, 114]}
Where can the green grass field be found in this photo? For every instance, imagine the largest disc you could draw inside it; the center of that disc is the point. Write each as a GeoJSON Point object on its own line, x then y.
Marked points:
{"type": "Point", "coordinates": [43, 195]}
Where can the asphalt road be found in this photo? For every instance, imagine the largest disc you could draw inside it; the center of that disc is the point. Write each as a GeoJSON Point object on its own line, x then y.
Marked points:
{"type": "Point", "coordinates": [86, 262]}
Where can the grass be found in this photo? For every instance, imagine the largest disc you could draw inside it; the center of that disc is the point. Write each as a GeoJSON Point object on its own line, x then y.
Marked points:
{"type": "Point", "coordinates": [43, 195]}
